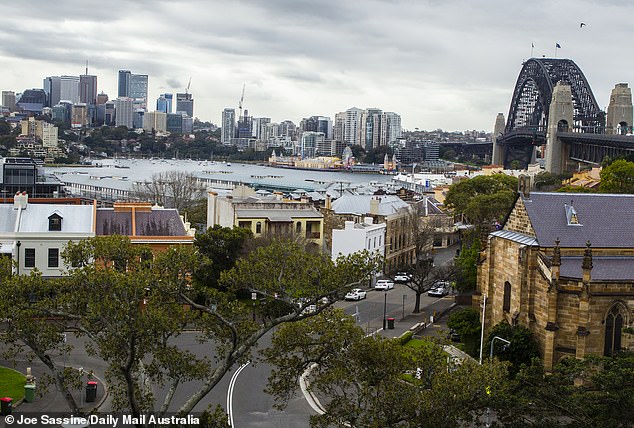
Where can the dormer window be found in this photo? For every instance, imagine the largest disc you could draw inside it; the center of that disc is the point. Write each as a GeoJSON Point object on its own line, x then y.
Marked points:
{"type": "Point", "coordinates": [55, 223]}
{"type": "Point", "coordinates": [571, 215]}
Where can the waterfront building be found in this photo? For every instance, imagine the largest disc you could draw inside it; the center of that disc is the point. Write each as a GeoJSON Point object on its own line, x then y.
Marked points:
{"type": "Point", "coordinates": [187, 124]}
{"type": "Point", "coordinates": [228, 125]}
{"type": "Point", "coordinates": [288, 129]}
{"type": "Point", "coordinates": [394, 130]}
{"type": "Point", "coordinates": [174, 123]}
{"type": "Point", "coordinates": [352, 128]}
{"type": "Point", "coordinates": [561, 266]}
{"type": "Point", "coordinates": [24, 175]}
{"type": "Point", "coordinates": [138, 117]}
{"type": "Point", "coordinates": [308, 144]}
{"type": "Point", "coordinates": [266, 215]}
{"type": "Point", "coordinates": [356, 237]}
{"type": "Point", "coordinates": [185, 104]}
{"type": "Point", "coordinates": [155, 120]}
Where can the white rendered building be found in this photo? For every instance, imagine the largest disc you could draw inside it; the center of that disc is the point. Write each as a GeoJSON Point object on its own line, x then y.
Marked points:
{"type": "Point", "coordinates": [357, 237]}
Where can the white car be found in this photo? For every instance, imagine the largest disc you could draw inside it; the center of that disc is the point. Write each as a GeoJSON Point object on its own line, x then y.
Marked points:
{"type": "Point", "coordinates": [384, 284]}
{"type": "Point", "coordinates": [439, 291]}
{"type": "Point", "coordinates": [402, 278]}
{"type": "Point", "coordinates": [356, 294]}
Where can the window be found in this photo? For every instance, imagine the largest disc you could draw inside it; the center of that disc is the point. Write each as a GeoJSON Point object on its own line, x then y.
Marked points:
{"type": "Point", "coordinates": [298, 227]}
{"type": "Point", "coordinates": [507, 297]}
{"type": "Point", "coordinates": [53, 257]}
{"type": "Point", "coordinates": [613, 331]}
{"type": "Point", "coordinates": [375, 242]}
{"type": "Point", "coordinates": [55, 222]}
{"type": "Point", "coordinates": [258, 227]}
{"type": "Point", "coordinates": [29, 257]}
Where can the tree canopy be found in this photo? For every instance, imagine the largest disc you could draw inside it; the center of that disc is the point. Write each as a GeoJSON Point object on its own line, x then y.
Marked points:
{"type": "Point", "coordinates": [618, 177]}
{"type": "Point", "coordinates": [483, 200]}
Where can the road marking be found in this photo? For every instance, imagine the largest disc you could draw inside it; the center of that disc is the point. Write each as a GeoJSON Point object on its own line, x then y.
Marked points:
{"type": "Point", "coordinates": [232, 384]}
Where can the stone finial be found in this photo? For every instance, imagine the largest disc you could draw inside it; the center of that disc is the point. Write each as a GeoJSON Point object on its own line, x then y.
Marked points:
{"type": "Point", "coordinates": [587, 257]}
{"type": "Point", "coordinates": [556, 260]}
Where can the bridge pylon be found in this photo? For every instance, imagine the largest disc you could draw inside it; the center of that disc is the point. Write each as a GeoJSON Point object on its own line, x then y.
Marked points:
{"type": "Point", "coordinates": [560, 118]}
{"type": "Point", "coordinates": [619, 120]}
{"type": "Point", "coordinates": [499, 151]}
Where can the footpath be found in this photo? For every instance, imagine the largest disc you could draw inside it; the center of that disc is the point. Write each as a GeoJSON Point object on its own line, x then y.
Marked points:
{"type": "Point", "coordinates": [49, 400]}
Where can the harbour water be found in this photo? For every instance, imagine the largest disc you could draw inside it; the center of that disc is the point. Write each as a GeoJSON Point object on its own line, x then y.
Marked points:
{"type": "Point", "coordinates": [123, 173]}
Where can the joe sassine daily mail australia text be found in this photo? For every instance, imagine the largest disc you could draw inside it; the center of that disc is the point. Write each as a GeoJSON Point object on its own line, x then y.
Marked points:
{"type": "Point", "coordinates": [109, 420]}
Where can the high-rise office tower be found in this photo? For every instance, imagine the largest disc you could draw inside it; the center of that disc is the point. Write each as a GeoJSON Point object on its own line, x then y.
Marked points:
{"type": "Point", "coordinates": [88, 89]}
{"type": "Point", "coordinates": [185, 104]}
{"type": "Point", "coordinates": [228, 125]}
{"type": "Point", "coordinates": [124, 83]}
{"type": "Point", "coordinates": [394, 130]}
{"type": "Point", "coordinates": [371, 128]}
{"type": "Point", "coordinates": [124, 112]}
{"type": "Point", "coordinates": [164, 103]}
{"type": "Point", "coordinates": [8, 100]}
{"type": "Point", "coordinates": [51, 86]}
{"type": "Point", "coordinates": [259, 126]}
{"type": "Point", "coordinates": [138, 89]}
{"type": "Point", "coordinates": [339, 127]}
{"type": "Point", "coordinates": [69, 88]}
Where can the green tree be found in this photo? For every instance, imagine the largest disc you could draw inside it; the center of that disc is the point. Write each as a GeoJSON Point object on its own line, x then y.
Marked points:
{"type": "Point", "coordinates": [522, 349]}
{"type": "Point", "coordinates": [618, 177]}
{"type": "Point", "coordinates": [363, 378]}
{"type": "Point", "coordinates": [576, 189]}
{"type": "Point", "coordinates": [466, 322]}
{"type": "Point", "coordinates": [483, 200]}
{"type": "Point", "coordinates": [467, 264]}
{"type": "Point", "coordinates": [221, 246]}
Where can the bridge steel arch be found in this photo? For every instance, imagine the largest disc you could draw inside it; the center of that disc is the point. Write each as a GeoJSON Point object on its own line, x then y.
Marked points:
{"type": "Point", "coordinates": [533, 93]}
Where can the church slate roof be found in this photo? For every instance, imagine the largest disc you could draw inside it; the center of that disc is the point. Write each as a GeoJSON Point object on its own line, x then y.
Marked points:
{"type": "Point", "coordinates": [606, 220]}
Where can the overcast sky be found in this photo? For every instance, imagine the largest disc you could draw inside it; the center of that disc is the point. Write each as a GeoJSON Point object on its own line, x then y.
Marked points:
{"type": "Point", "coordinates": [447, 64]}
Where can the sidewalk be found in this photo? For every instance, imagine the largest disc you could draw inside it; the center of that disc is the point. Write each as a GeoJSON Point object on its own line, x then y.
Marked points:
{"type": "Point", "coordinates": [416, 322]}
{"type": "Point", "coordinates": [53, 401]}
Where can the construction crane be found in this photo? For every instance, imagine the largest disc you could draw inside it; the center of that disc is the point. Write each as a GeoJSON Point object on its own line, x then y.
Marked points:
{"type": "Point", "coordinates": [241, 100]}
{"type": "Point", "coordinates": [188, 84]}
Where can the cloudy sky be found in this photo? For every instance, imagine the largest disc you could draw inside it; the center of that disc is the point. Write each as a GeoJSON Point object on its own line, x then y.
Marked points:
{"type": "Point", "coordinates": [448, 64]}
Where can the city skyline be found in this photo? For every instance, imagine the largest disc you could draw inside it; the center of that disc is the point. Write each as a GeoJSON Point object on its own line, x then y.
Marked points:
{"type": "Point", "coordinates": [446, 65]}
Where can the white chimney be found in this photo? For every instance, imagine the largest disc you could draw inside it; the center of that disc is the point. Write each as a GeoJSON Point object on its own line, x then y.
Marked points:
{"type": "Point", "coordinates": [20, 200]}
{"type": "Point", "coordinates": [368, 220]}
{"type": "Point", "coordinates": [349, 225]}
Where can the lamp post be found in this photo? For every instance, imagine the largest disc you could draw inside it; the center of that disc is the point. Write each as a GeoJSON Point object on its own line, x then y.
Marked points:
{"type": "Point", "coordinates": [484, 308]}
{"type": "Point", "coordinates": [508, 342]}
{"type": "Point", "coordinates": [254, 297]}
{"type": "Point", "coordinates": [384, 309]}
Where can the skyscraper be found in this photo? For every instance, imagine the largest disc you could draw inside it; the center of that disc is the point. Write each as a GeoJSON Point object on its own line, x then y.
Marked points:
{"type": "Point", "coordinates": [124, 112]}
{"type": "Point", "coordinates": [51, 86]}
{"type": "Point", "coordinates": [353, 126]}
{"type": "Point", "coordinates": [69, 88]}
{"type": "Point", "coordinates": [8, 100]}
{"type": "Point", "coordinates": [88, 89]}
{"type": "Point", "coordinates": [138, 89]}
{"type": "Point", "coordinates": [124, 83]}
{"type": "Point", "coordinates": [185, 104]}
{"type": "Point", "coordinates": [164, 103]}
{"type": "Point", "coordinates": [228, 125]}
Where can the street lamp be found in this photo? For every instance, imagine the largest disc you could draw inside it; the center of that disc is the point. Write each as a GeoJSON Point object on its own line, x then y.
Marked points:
{"type": "Point", "coordinates": [254, 297]}
{"type": "Point", "coordinates": [384, 309]}
{"type": "Point", "coordinates": [508, 342]}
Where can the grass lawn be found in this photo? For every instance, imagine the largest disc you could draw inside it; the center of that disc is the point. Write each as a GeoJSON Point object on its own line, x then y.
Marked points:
{"type": "Point", "coordinates": [11, 383]}
{"type": "Point", "coordinates": [419, 343]}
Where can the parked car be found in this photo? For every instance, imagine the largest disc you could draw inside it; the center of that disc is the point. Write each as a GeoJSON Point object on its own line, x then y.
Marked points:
{"type": "Point", "coordinates": [438, 291]}
{"type": "Point", "coordinates": [453, 335]}
{"type": "Point", "coordinates": [402, 278]}
{"type": "Point", "coordinates": [356, 294]}
{"type": "Point", "coordinates": [384, 284]}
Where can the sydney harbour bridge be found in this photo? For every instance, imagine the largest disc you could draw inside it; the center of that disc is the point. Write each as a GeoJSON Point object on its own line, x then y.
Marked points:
{"type": "Point", "coordinates": [554, 114]}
